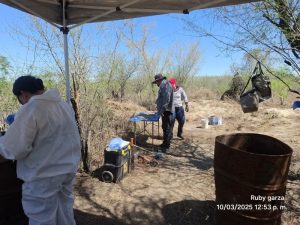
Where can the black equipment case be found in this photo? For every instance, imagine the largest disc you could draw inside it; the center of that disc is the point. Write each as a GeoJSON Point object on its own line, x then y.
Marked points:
{"type": "Point", "coordinates": [117, 164]}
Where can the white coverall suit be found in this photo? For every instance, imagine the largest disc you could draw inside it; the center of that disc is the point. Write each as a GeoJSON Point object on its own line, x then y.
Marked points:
{"type": "Point", "coordinates": [44, 139]}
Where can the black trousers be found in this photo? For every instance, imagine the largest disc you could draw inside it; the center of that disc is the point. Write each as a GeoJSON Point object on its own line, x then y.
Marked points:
{"type": "Point", "coordinates": [167, 121]}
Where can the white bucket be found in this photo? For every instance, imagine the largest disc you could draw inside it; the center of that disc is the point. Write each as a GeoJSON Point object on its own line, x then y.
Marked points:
{"type": "Point", "coordinates": [204, 123]}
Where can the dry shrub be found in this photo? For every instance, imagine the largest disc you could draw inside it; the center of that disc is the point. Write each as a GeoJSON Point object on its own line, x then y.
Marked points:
{"type": "Point", "coordinates": [112, 121]}
{"type": "Point", "coordinates": [201, 93]}
{"type": "Point", "coordinates": [147, 103]}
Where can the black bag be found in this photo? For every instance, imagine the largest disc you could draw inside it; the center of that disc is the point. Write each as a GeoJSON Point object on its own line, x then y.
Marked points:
{"type": "Point", "coordinates": [261, 90]}
{"type": "Point", "coordinates": [249, 101]}
{"type": "Point", "coordinates": [261, 83]}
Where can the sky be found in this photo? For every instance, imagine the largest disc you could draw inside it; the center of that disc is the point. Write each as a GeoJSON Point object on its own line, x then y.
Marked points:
{"type": "Point", "coordinates": [167, 30]}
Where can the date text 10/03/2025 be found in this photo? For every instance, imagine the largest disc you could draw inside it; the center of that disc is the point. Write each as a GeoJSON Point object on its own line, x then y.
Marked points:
{"type": "Point", "coordinates": [259, 203]}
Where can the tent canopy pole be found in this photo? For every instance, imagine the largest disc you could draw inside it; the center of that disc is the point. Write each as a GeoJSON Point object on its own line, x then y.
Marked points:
{"type": "Point", "coordinates": [65, 31]}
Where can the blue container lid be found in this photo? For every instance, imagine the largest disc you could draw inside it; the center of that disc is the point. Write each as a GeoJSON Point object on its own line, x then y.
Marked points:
{"type": "Point", "coordinates": [296, 104]}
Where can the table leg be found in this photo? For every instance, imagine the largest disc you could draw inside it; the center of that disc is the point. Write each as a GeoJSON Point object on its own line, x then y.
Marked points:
{"type": "Point", "coordinates": [135, 133]}
{"type": "Point", "coordinates": [152, 132]}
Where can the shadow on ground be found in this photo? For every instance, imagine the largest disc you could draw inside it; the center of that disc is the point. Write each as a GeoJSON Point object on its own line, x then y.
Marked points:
{"type": "Point", "coordinates": [142, 140]}
{"type": "Point", "coordinates": [192, 155]}
{"type": "Point", "coordinates": [190, 212]}
{"type": "Point", "coordinates": [153, 209]}
{"type": "Point", "coordinates": [96, 213]}
{"type": "Point", "coordinates": [84, 218]}
{"type": "Point", "coordinates": [197, 157]}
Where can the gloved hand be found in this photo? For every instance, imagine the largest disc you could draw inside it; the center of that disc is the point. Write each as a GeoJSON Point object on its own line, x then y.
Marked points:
{"type": "Point", "coordinates": [187, 107]}
{"type": "Point", "coordinates": [10, 118]}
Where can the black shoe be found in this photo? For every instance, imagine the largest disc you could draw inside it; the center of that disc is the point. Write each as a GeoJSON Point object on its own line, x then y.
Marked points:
{"type": "Point", "coordinates": [162, 146]}
{"type": "Point", "coordinates": [165, 150]}
{"type": "Point", "coordinates": [180, 136]}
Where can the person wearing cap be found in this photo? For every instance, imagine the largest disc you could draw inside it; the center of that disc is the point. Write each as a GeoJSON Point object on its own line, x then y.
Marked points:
{"type": "Point", "coordinates": [45, 141]}
{"type": "Point", "coordinates": [164, 105]}
{"type": "Point", "coordinates": [179, 95]}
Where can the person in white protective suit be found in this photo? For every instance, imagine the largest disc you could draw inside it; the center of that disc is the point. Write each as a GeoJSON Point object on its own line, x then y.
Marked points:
{"type": "Point", "coordinates": [44, 139]}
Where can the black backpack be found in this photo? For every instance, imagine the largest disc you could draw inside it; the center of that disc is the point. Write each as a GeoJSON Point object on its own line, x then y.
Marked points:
{"type": "Point", "coordinates": [261, 83]}
{"type": "Point", "coordinates": [261, 90]}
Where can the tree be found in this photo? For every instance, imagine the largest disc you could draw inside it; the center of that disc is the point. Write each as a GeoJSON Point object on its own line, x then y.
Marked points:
{"type": "Point", "coordinates": [249, 60]}
{"type": "Point", "coordinates": [108, 65]}
{"type": "Point", "coordinates": [150, 62]}
{"type": "Point", "coordinates": [8, 101]}
{"type": "Point", "coordinates": [126, 68]}
{"type": "Point", "coordinates": [271, 26]}
{"type": "Point", "coordinates": [185, 62]}
{"type": "Point", "coordinates": [89, 95]}
{"type": "Point", "coordinates": [285, 15]}
{"type": "Point", "coordinates": [83, 92]}
{"type": "Point", "coordinates": [4, 66]}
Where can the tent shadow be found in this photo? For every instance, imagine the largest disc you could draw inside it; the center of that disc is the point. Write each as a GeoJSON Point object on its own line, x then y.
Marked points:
{"type": "Point", "coordinates": [195, 155]}
{"type": "Point", "coordinates": [97, 173]}
{"type": "Point", "coordinates": [141, 139]}
{"type": "Point", "coordinates": [84, 218]}
{"type": "Point", "coordinates": [192, 212]}
{"type": "Point", "coordinates": [203, 163]}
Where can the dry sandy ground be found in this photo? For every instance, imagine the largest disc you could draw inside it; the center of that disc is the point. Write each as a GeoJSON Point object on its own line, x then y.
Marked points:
{"type": "Point", "coordinates": [181, 189]}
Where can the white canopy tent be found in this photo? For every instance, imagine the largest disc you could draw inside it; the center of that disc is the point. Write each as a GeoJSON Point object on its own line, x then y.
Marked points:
{"type": "Point", "coordinates": [68, 14]}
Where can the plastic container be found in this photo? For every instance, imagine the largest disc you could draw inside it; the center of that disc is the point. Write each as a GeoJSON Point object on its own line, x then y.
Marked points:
{"type": "Point", "coordinates": [204, 123]}
{"type": "Point", "coordinates": [296, 105]}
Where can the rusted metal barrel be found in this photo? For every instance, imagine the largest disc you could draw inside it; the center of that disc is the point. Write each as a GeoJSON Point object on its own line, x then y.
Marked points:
{"type": "Point", "coordinates": [11, 210]}
{"type": "Point", "coordinates": [250, 177]}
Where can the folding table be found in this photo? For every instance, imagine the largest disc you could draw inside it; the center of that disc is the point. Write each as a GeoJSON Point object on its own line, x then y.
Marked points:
{"type": "Point", "coordinates": [148, 118]}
